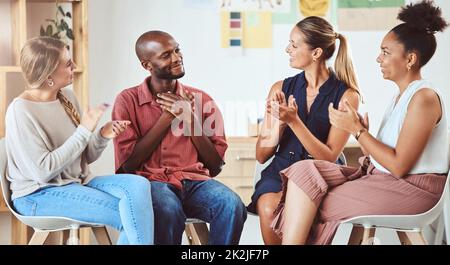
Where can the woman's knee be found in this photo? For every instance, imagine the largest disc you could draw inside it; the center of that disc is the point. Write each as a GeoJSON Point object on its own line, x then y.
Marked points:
{"type": "Point", "coordinates": [266, 206]}
{"type": "Point", "coordinates": [137, 186]}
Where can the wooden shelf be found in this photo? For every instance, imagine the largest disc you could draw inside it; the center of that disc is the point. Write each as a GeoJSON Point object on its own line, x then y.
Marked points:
{"type": "Point", "coordinates": [10, 69]}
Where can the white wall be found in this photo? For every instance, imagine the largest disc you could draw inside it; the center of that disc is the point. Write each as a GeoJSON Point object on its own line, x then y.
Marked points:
{"type": "Point", "coordinates": [233, 81]}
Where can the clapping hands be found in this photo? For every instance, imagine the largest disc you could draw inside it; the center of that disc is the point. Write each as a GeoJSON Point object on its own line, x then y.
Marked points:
{"type": "Point", "coordinates": [285, 112]}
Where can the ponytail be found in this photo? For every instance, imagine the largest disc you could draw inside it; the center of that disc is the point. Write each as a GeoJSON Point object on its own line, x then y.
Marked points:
{"type": "Point", "coordinates": [319, 33]}
{"type": "Point", "coordinates": [343, 65]}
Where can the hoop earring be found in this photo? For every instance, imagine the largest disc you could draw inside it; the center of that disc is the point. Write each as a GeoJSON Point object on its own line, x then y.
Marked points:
{"type": "Point", "coordinates": [50, 82]}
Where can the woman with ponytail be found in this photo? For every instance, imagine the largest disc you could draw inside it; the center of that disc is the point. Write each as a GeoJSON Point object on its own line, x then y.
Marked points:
{"type": "Point", "coordinates": [405, 167]}
{"type": "Point", "coordinates": [50, 146]}
{"type": "Point", "coordinates": [296, 125]}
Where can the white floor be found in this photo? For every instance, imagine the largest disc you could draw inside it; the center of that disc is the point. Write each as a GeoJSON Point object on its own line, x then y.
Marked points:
{"type": "Point", "coordinates": [251, 235]}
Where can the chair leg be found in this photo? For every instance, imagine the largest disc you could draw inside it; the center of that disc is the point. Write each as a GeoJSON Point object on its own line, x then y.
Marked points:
{"type": "Point", "coordinates": [446, 214]}
{"type": "Point", "coordinates": [101, 234]}
{"type": "Point", "coordinates": [361, 236]}
{"type": "Point", "coordinates": [368, 236]}
{"type": "Point", "coordinates": [411, 238]}
{"type": "Point", "coordinates": [74, 236]}
{"type": "Point", "coordinates": [65, 236]}
{"type": "Point", "coordinates": [38, 238]}
{"type": "Point", "coordinates": [197, 233]}
{"type": "Point", "coordinates": [356, 236]}
{"type": "Point", "coordinates": [187, 231]}
{"type": "Point", "coordinates": [438, 238]}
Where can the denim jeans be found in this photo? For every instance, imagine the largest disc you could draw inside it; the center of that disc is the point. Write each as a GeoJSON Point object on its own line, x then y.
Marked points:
{"type": "Point", "coordinates": [210, 201]}
{"type": "Point", "coordinates": [121, 201]}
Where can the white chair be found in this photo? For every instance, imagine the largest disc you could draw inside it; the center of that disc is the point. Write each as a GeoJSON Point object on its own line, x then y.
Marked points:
{"type": "Point", "coordinates": [258, 169]}
{"type": "Point", "coordinates": [409, 228]}
{"type": "Point", "coordinates": [44, 225]}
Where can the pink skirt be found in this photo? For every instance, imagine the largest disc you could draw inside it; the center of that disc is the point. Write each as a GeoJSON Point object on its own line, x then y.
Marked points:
{"type": "Point", "coordinates": [342, 192]}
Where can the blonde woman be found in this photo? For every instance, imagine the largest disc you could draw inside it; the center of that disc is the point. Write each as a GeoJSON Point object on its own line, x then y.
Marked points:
{"type": "Point", "coordinates": [296, 125]}
{"type": "Point", "coordinates": [50, 146]}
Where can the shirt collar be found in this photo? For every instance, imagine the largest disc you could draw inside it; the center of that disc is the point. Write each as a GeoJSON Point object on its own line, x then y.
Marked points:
{"type": "Point", "coordinates": [145, 95]}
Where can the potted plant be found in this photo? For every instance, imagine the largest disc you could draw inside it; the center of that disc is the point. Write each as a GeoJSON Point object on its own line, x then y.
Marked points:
{"type": "Point", "coordinates": [58, 27]}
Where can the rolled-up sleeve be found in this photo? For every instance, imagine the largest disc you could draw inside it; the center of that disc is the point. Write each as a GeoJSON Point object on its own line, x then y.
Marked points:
{"type": "Point", "coordinates": [125, 142]}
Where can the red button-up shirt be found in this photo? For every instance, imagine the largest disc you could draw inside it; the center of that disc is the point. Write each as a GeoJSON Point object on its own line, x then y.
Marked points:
{"type": "Point", "coordinates": [176, 157]}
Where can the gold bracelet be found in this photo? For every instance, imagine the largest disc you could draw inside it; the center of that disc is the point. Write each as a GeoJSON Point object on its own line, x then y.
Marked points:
{"type": "Point", "coordinates": [358, 134]}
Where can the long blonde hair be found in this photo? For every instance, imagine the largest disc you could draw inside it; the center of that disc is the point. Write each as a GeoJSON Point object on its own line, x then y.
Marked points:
{"type": "Point", "coordinates": [39, 58]}
{"type": "Point", "coordinates": [320, 34]}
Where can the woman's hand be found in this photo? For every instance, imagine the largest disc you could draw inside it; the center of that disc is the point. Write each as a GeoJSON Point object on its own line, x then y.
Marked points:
{"type": "Point", "coordinates": [281, 100]}
{"type": "Point", "coordinates": [92, 116]}
{"type": "Point", "coordinates": [286, 113]}
{"type": "Point", "coordinates": [114, 128]}
{"type": "Point", "coordinates": [346, 118]}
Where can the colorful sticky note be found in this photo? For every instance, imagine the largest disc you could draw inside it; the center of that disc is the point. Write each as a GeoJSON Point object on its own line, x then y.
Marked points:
{"type": "Point", "coordinates": [257, 30]}
{"type": "Point", "coordinates": [231, 29]}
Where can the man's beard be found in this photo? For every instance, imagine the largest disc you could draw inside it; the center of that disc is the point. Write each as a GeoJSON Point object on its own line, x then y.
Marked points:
{"type": "Point", "coordinates": [166, 75]}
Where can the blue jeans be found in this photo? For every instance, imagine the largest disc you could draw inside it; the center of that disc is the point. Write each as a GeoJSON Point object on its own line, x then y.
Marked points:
{"type": "Point", "coordinates": [210, 201]}
{"type": "Point", "coordinates": [120, 201]}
